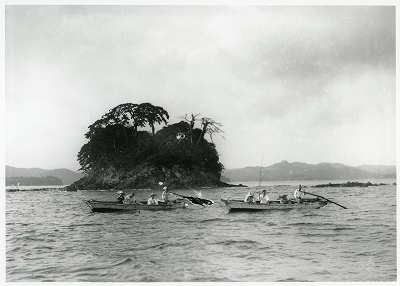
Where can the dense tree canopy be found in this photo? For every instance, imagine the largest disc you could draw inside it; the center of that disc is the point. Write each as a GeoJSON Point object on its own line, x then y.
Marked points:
{"type": "Point", "coordinates": [130, 115]}
{"type": "Point", "coordinates": [115, 142]}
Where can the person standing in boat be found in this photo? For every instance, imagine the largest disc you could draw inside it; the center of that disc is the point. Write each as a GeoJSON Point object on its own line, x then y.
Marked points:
{"type": "Point", "coordinates": [263, 198]}
{"type": "Point", "coordinates": [152, 200]}
{"type": "Point", "coordinates": [165, 195]}
{"type": "Point", "coordinates": [298, 193]}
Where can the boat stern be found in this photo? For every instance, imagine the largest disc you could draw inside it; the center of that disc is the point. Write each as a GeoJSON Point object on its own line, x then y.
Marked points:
{"type": "Point", "coordinates": [88, 202]}
{"type": "Point", "coordinates": [227, 203]}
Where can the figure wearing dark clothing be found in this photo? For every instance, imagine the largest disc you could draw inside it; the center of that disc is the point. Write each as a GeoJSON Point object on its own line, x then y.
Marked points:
{"type": "Point", "coordinates": [121, 197]}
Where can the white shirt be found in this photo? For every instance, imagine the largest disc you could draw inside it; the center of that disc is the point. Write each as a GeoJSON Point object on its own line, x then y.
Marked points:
{"type": "Point", "coordinates": [152, 201]}
{"type": "Point", "coordinates": [297, 193]}
{"type": "Point", "coordinates": [263, 199]}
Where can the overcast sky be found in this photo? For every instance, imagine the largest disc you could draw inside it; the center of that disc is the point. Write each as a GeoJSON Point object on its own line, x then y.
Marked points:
{"type": "Point", "coordinates": [305, 84]}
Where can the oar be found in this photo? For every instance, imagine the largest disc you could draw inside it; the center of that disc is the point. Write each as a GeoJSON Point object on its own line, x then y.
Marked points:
{"type": "Point", "coordinates": [191, 199]}
{"type": "Point", "coordinates": [198, 201]}
{"type": "Point", "coordinates": [324, 199]}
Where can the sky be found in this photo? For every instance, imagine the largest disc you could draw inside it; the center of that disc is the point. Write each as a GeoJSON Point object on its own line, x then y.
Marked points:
{"type": "Point", "coordinates": [301, 83]}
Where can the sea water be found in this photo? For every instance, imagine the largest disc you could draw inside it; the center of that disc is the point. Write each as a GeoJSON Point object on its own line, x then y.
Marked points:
{"type": "Point", "coordinates": [53, 236]}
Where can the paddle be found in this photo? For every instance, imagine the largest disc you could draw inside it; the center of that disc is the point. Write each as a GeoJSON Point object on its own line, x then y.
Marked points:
{"type": "Point", "coordinates": [324, 199]}
{"type": "Point", "coordinates": [197, 201]}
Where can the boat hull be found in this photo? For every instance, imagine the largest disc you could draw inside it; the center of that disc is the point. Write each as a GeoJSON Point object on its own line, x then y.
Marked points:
{"type": "Point", "coordinates": [108, 206]}
{"type": "Point", "coordinates": [236, 205]}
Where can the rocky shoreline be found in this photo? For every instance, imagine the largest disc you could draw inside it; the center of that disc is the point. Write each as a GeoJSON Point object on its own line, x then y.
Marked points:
{"type": "Point", "coordinates": [349, 184]}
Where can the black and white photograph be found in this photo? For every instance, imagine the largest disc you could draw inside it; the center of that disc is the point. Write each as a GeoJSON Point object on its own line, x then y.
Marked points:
{"type": "Point", "coordinates": [200, 142]}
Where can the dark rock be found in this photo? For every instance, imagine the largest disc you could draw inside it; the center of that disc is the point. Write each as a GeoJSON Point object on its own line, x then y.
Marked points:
{"type": "Point", "coordinates": [148, 177]}
{"type": "Point", "coordinates": [347, 184]}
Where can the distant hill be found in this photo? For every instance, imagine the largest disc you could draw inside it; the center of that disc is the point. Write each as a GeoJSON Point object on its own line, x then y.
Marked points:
{"type": "Point", "coordinates": [33, 181]}
{"type": "Point", "coordinates": [66, 176]}
{"type": "Point", "coordinates": [379, 169]}
{"type": "Point", "coordinates": [285, 171]}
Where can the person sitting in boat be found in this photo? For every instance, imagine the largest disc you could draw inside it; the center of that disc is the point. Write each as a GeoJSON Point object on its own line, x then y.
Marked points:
{"type": "Point", "coordinates": [152, 200]}
{"type": "Point", "coordinates": [249, 198]}
{"type": "Point", "coordinates": [129, 199]}
{"type": "Point", "coordinates": [263, 198]}
{"type": "Point", "coordinates": [283, 199]}
{"type": "Point", "coordinates": [121, 197]}
{"type": "Point", "coordinates": [298, 193]}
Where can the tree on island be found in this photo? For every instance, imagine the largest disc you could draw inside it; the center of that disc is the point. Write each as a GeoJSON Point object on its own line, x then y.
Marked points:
{"type": "Point", "coordinates": [130, 115]}
{"type": "Point", "coordinates": [116, 132]}
{"type": "Point", "coordinates": [208, 126]}
{"type": "Point", "coordinates": [117, 155]}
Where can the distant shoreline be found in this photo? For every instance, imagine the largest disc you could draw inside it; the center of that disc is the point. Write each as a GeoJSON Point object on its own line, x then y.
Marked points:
{"type": "Point", "coordinates": [34, 188]}
{"type": "Point", "coordinates": [348, 184]}
{"type": "Point", "coordinates": [311, 183]}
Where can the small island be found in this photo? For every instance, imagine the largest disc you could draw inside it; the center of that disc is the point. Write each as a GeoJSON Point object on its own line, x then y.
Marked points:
{"type": "Point", "coordinates": [347, 184]}
{"type": "Point", "coordinates": [120, 156]}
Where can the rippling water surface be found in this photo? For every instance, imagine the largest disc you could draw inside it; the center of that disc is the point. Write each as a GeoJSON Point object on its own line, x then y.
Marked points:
{"type": "Point", "coordinates": [53, 236]}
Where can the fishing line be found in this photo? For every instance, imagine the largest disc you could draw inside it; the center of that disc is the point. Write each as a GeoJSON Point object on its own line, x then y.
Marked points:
{"type": "Point", "coordinates": [262, 158]}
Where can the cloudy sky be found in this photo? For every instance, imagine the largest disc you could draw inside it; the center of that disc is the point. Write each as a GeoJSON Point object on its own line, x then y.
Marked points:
{"type": "Point", "coordinates": [298, 83]}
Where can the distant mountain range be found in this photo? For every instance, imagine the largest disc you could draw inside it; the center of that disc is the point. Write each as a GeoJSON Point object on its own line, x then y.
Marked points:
{"type": "Point", "coordinates": [285, 171]}
{"type": "Point", "coordinates": [66, 176]}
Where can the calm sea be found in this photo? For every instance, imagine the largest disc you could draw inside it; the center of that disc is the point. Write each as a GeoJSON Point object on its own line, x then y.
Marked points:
{"type": "Point", "coordinates": [53, 236]}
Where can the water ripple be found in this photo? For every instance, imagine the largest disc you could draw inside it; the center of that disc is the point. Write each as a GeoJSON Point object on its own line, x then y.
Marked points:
{"type": "Point", "coordinates": [52, 236]}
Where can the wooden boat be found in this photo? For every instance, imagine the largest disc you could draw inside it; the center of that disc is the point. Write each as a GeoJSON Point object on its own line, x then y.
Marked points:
{"type": "Point", "coordinates": [111, 206]}
{"type": "Point", "coordinates": [238, 205]}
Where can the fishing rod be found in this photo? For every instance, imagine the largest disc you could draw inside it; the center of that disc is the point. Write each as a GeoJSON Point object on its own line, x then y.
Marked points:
{"type": "Point", "coordinates": [262, 158]}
